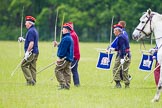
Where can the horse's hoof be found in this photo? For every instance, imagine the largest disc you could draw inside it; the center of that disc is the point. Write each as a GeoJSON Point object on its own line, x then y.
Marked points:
{"type": "Point", "coordinates": [154, 100]}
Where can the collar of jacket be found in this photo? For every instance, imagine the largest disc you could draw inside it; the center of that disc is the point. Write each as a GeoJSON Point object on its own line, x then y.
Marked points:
{"type": "Point", "coordinates": [66, 34]}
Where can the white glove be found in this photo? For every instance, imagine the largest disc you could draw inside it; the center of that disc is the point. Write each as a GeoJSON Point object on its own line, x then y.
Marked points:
{"type": "Point", "coordinates": [154, 57]}
{"type": "Point", "coordinates": [112, 49]}
{"type": "Point", "coordinates": [152, 50]}
{"type": "Point", "coordinates": [21, 39]}
{"type": "Point", "coordinates": [122, 61]}
{"type": "Point", "coordinates": [106, 50]}
{"type": "Point", "coordinates": [27, 54]}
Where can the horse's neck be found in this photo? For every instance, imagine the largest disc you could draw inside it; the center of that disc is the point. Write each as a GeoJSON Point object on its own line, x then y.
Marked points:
{"type": "Point", "coordinates": [157, 29]}
{"type": "Point", "coordinates": [159, 42]}
{"type": "Point", "coordinates": [158, 37]}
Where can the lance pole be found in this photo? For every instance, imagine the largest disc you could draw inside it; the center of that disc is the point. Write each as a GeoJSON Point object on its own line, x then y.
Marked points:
{"type": "Point", "coordinates": [151, 72]}
{"type": "Point", "coordinates": [111, 29]}
{"type": "Point", "coordinates": [55, 31]}
{"type": "Point", "coordinates": [55, 25]}
{"type": "Point", "coordinates": [22, 21]}
{"type": "Point", "coordinates": [62, 25]}
{"type": "Point", "coordinates": [112, 20]}
{"type": "Point", "coordinates": [13, 72]}
{"type": "Point", "coordinates": [46, 67]}
{"type": "Point", "coordinates": [21, 31]}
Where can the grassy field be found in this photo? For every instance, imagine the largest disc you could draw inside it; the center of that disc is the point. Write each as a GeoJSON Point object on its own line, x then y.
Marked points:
{"type": "Point", "coordinates": [95, 91]}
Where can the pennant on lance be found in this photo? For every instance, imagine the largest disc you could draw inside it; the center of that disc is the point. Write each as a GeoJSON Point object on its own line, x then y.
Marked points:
{"type": "Point", "coordinates": [104, 61]}
{"type": "Point", "coordinates": [146, 62]}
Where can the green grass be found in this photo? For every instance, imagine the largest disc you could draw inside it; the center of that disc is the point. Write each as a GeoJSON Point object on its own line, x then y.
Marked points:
{"type": "Point", "coordinates": [95, 91]}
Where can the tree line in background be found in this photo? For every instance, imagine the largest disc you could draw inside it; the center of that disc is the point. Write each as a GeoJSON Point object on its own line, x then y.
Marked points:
{"type": "Point", "coordinates": [91, 18]}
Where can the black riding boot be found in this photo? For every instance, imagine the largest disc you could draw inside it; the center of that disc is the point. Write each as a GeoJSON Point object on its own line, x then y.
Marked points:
{"type": "Point", "coordinates": [118, 85]}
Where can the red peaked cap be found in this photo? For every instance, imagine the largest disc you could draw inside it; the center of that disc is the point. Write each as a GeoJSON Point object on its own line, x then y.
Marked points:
{"type": "Point", "coordinates": [117, 25]}
{"type": "Point", "coordinates": [30, 18]}
{"type": "Point", "coordinates": [68, 25]}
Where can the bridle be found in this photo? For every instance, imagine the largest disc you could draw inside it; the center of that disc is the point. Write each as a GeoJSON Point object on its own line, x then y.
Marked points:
{"type": "Point", "coordinates": [142, 30]}
{"type": "Point", "coordinates": [149, 19]}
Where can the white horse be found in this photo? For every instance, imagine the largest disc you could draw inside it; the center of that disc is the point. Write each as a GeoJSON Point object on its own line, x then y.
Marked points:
{"type": "Point", "coordinates": [151, 22]}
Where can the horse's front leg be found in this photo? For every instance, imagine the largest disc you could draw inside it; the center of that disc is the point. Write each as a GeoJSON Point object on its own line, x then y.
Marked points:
{"type": "Point", "coordinates": [157, 96]}
{"type": "Point", "coordinates": [159, 88]}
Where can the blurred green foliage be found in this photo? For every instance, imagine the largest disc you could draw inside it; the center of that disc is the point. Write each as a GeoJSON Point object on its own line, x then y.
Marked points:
{"type": "Point", "coordinates": [91, 18]}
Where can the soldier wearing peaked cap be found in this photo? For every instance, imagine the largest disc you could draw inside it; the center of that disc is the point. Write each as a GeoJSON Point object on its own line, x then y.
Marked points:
{"type": "Point", "coordinates": [28, 65]}
{"type": "Point", "coordinates": [123, 24]}
{"type": "Point", "coordinates": [65, 57]}
{"type": "Point", "coordinates": [123, 57]}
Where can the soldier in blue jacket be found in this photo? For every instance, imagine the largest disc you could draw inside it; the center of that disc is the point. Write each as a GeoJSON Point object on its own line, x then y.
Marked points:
{"type": "Point", "coordinates": [31, 51]}
{"type": "Point", "coordinates": [65, 55]}
{"type": "Point", "coordinates": [121, 24]}
{"type": "Point", "coordinates": [123, 58]}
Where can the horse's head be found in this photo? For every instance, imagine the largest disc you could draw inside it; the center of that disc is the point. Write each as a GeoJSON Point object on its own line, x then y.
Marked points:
{"type": "Point", "coordinates": [144, 27]}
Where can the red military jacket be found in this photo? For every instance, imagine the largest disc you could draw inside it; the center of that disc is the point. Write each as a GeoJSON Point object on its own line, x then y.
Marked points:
{"type": "Point", "coordinates": [76, 45]}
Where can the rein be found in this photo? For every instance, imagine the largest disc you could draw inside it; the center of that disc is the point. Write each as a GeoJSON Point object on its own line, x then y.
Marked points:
{"type": "Point", "coordinates": [142, 44]}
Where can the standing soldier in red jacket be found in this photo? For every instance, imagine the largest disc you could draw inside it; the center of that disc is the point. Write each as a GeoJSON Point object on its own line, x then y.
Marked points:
{"type": "Point", "coordinates": [74, 64]}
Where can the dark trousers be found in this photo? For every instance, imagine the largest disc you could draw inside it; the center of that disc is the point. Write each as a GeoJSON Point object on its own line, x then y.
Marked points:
{"type": "Point", "coordinates": [74, 70]}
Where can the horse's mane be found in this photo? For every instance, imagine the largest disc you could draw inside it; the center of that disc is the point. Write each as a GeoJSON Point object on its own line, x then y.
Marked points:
{"type": "Point", "coordinates": [153, 13]}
